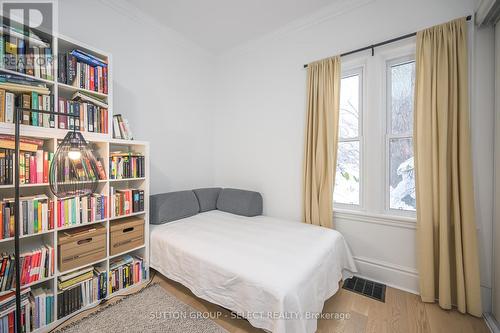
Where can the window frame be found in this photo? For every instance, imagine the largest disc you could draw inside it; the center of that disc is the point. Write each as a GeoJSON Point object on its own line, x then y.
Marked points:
{"type": "Point", "coordinates": [388, 136]}
{"type": "Point", "coordinates": [348, 72]}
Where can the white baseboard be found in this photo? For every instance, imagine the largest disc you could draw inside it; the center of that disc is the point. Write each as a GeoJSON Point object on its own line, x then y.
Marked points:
{"type": "Point", "coordinates": [491, 323]}
{"type": "Point", "coordinates": [400, 277]}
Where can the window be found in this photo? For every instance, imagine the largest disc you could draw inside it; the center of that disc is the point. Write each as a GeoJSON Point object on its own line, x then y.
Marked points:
{"type": "Point", "coordinates": [347, 177]}
{"type": "Point", "coordinates": [401, 172]}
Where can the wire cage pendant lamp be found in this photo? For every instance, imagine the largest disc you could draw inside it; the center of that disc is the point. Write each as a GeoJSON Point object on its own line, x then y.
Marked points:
{"type": "Point", "coordinates": [73, 171]}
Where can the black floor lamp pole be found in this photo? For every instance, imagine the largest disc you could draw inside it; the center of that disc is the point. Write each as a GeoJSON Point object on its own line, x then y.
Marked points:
{"type": "Point", "coordinates": [17, 117]}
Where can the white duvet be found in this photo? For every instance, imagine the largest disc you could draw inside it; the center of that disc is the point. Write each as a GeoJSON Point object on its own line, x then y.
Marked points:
{"type": "Point", "coordinates": [275, 273]}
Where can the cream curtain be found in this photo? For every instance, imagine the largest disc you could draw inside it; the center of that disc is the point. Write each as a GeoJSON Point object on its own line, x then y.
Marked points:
{"type": "Point", "coordinates": [446, 230]}
{"type": "Point", "coordinates": [320, 155]}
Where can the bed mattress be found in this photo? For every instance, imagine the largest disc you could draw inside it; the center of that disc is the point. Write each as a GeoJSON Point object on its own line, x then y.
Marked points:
{"type": "Point", "coordinates": [275, 273]}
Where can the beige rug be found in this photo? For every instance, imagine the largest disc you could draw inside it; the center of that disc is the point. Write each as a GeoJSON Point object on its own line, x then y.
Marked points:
{"type": "Point", "coordinates": [150, 310]}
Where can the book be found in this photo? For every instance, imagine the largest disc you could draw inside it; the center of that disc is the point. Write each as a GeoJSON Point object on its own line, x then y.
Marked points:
{"type": "Point", "coordinates": [126, 165]}
{"type": "Point", "coordinates": [125, 272]}
{"type": "Point", "coordinates": [36, 214]}
{"type": "Point", "coordinates": [88, 58]}
{"type": "Point", "coordinates": [124, 202]}
{"type": "Point", "coordinates": [35, 265]}
{"type": "Point", "coordinates": [9, 107]}
{"type": "Point", "coordinates": [81, 290]}
{"type": "Point", "coordinates": [20, 88]}
{"type": "Point", "coordinates": [81, 96]}
{"type": "Point", "coordinates": [81, 210]}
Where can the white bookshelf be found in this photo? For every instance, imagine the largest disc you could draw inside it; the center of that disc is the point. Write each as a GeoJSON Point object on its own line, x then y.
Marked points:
{"type": "Point", "coordinates": [104, 144]}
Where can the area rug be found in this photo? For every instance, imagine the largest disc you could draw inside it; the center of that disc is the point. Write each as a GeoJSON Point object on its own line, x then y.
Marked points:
{"type": "Point", "coordinates": [150, 310]}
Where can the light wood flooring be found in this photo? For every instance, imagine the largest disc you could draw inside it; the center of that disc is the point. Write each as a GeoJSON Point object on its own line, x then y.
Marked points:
{"type": "Point", "coordinates": [402, 312]}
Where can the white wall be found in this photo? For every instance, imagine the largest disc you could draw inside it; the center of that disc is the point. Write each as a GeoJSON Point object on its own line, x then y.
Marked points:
{"type": "Point", "coordinates": [162, 84]}
{"type": "Point", "coordinates": [260, 120]}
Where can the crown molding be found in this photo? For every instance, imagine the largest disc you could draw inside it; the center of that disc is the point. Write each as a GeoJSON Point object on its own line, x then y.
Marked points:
{"type": "Point", "coordinates": [488, 12]}
{"type": "Point", "coordinates": [327, 13]}
{"type": "Point", "coordinates": [127, 10]}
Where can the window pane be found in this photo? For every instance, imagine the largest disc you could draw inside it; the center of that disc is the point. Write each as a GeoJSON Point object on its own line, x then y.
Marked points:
{"type": "Point", "coordinates": [347, 174]}
{"type": "Point", "coordinates": [402, 175]}
{"type": "Point", "coordinates": [349, 107]}
{"type": "Point", "coordinates": [402, 87]}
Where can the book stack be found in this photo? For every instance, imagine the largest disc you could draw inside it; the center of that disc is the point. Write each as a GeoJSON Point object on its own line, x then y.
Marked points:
{"type": "Point", "coordinates": [35, 265]}
{"type": "Point", "coordinates": [8, 311]}
{"type": "Point", "coordinates": [25, 93]}
{"type": "Point", "coordinates": [91, 114]}
{"type": "Point", "coordinates": [80, 210]}
{"type": "Point", "coordinates": [125, 272]}
{"type": "Point", "coordinates": [42, 308]}
{"type": "Point", "coordinates": [126, 165]}
{"type": "Point", "coordinates": [79, 289]}
{"type": "Point", "coordinates": [83, 70]}
{"type": "Point", "coordinates": [36, 214]}
{"type": "Point", "coordinates": [36, 60]}
{"type": "Point", "coordinates": [124, 202]}
{"type": "Point", "coordinates": [121, 128]}
{"type": "Point", "coordinates": [33, 161]}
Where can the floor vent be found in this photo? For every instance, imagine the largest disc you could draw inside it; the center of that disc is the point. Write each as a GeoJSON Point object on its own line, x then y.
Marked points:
{"type": "Point", "coordinates": [365, 287]}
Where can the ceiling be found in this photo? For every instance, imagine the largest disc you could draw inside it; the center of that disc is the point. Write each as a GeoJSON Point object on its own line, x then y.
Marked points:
{"type": "Point", "coordinates": [219, 25]}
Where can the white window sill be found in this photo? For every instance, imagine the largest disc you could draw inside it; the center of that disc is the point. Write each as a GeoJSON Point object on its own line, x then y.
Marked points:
{"type": "Point", "coordinates": [385, 219]}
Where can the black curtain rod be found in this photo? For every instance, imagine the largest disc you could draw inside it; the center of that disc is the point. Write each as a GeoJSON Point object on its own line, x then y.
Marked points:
{"type": "Point", "coordinates": [373, 46]}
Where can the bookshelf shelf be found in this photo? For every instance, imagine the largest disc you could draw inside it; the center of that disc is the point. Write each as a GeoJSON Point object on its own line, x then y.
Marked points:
{"type": "Point", "coordinates": [103, 144]}
{"type": "Point", "coordinates": [127, 215]}
{"type": "Point", "coordinates": [80, 225]}
{"type": "Point", "coordinates": [72, 89]}
{"type": "Point", "coordinates": [34, 283]}
{"type": "Point", "coordinates": [30, 77]}
{"type": "Point", "coordinates": [4, 240]}
{"type": "Point", "coordinates": [125, 252]}
{"type": "Point", "coordinates": [126, 179]}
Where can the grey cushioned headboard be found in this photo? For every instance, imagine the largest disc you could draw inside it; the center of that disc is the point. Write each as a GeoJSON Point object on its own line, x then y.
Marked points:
{"type": "Point", "coordinates": [207, 198]}
{"type": "Point", "coordinates": [240, 202]}
{"type": "Point", "coordinates": [167, 207]}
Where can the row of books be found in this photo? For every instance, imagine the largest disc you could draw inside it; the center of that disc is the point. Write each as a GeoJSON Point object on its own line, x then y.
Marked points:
{"type": "Point", "coordinates": [8, 311]}
{"type": "Point", "coordinates": [124, 202]}
{"type": "Point", "coordinates": [35, 265]}
{"type": "Point", "coordinates": [126, 271]}
{"type": "Point", "coordinates": [33, 167]}
{"type": "Point", "coordinates": [126, 165]}
{"type": "Point", "coordinates": [36, 215]}
{"type": "Point", "coordinates": [80, 288]}
{"type": "Point", "coordinates": [36, 60]}
{"type": "Point", "coordinates": [83, 70]}
{"type": "Point", "coordinates": [41, 308]}
{"type": "Point", "coordinates": [26, 97]}
{"type": "Point", "coordinates": [75, 169]}
{"type": "Point", "coordinates": [121, 128]}
{"type": "Point", "coordinates": [90, 115]}
{"type": "Point", "coordinates": [80, 210]}
{"type": "Point", "coordinates": [33, 160]}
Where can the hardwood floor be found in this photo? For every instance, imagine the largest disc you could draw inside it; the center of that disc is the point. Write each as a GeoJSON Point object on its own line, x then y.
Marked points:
{"type": "Point", "coordinates": [402, 312]}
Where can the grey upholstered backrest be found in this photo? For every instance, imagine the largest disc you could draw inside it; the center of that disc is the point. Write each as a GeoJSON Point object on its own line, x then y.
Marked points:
{"type": "Point", "coordinates": [207, 198]}
{"type": "Point", "coordinates": [167, 207]}
{"type": "Point", "coordinates": [240, 202]}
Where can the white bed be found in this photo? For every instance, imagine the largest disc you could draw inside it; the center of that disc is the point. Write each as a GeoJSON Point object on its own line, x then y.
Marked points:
{"type": "Point", "coordinates": [275, 273]}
